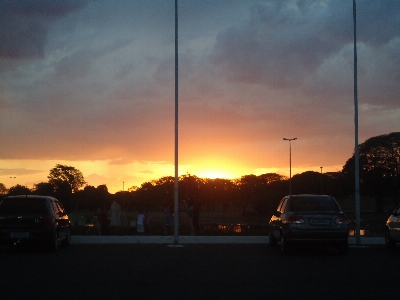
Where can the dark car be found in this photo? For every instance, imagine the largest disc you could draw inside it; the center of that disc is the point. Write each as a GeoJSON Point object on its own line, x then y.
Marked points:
{"type": "Point", "coordinates": [309, 219]}
{"type": "Point", "coordinates": [29, 218]}
{"type": "Point", "coordinates": [392, 232]}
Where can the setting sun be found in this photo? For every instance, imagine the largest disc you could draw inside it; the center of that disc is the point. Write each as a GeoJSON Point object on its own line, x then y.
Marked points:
{"type": "Point", "coordinates": [213, 174]}
{"type": "Point", "coordinates": [216, 167]}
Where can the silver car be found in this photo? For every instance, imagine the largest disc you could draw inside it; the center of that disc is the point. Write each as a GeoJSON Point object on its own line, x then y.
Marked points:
{"type": "Point", "coordinates": [392, 232]}
{"type": "Point", "coordinates": [309, 219]}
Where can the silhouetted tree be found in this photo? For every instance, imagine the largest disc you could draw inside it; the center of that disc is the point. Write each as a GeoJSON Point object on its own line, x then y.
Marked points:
{"type": "Point", "coordinates": [66, 174]}
{"type": "Point", "coordinates": [3, 189]}
{"type": "Point", "coordinates": [272, 187]}
{"type": "Point", "coordinates": [66, 180]}
{"type": "Point", "coordinates": [19, 190]}
{"type": "Point", "coordinates": [43, 188]}
{"type": "Point", "coordinates": [63, 193]}
{"type": "Point", "coordinates": [379, 159]}
{"type": "Point", "coordinates": [308, 182]}
{"type": "Point", "coordinates": [91, 198]}
{"type": "Point", "coordinates": [269, 178]}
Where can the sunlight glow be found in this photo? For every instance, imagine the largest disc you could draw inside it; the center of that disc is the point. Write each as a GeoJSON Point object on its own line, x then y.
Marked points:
{"type": "Point", "coordinates": [216, 167]}
{"type": "Point", "coordinates": [214, 173]}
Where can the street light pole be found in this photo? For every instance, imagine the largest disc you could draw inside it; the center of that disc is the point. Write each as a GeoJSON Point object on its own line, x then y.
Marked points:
{"type": "Point", "coordinates": [290, 163]}
{"type": "Point", "coordinates": [356, 150]}
{"type": "Point", "coordinates": [176, 184]}
{"type": "Point", "coordinates": [321, 180]}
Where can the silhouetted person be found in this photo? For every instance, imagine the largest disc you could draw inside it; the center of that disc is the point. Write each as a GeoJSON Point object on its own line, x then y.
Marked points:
{"type": "Point", "coordinates": [103, 221]}
{"type": "Point", "coordinates": [147, 223]}
{"type": "Point", "coordinates": [190, 215]}
{"type": "Point", "coordinates": [196, 216]}
{"type": "Point", "coordinates": [141, 221]}
{"type": "Point", "coordinates": [167, 220]}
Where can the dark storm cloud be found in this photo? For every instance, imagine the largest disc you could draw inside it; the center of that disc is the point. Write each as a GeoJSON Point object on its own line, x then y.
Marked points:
{"type": "Point", "coordinates": [283, 42]}
{"type": "Point", "coordinates": [24, 25]}
{"type": "Point", "coordinates": [280, 44]}
{"type": "Point", "coordinates": [78, 64]}
{"type": "Point", "coordinates": [378, 22]}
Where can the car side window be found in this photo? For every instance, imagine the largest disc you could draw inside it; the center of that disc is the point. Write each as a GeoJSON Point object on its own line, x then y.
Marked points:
{"type": "Point", "coordinates": [60, 207]}
{"type": "Point", "coordinates": [284, 205]}
{"type": "Point", "coordinates": [280, 205]}
{"type": "Point", "coordinates": [55, 207]}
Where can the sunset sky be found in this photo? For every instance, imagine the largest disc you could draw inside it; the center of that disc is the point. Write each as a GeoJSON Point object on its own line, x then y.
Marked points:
{"type": "Point", "coordinates": [91, 84]}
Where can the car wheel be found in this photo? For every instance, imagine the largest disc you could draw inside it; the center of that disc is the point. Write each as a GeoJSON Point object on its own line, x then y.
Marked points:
{"type": "Point", "coordinates": [343, 248]}
{"type": "Point", "coordinates": [67, 240]}
{"type": "Point", "coordinates": [389, 242]}
{"type": "Point", "coordinates": [286, 248]}
{"type": "Point", "coordinates": [53, 243]}
{"type": "Point", "coordinates": [272, 240]}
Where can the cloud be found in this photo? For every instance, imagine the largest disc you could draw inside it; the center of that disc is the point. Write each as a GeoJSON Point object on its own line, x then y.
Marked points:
{"type": "Point", "coordinates": [79, 64]}
{"type": "Point", "coordinates": [121, 161]}
{"type": "Point", "coordinates": [278, 45]}
{"type": "Point", "coordinates": [96, 179]}
{"type": "Point", "coordinates": [147, 172]}
{"type": "Point", "coordinates": [24, 25]}
{"type": "Point", "coordinates": [19, 172]}
{"type": "Point", "coordinates": [290, 44]}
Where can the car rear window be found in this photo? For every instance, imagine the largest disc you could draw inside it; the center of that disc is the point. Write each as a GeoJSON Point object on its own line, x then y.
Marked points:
{"type": "Point", "coordinates": [313, 204]}
{"type": "Point", "coordinates": [23, 206]}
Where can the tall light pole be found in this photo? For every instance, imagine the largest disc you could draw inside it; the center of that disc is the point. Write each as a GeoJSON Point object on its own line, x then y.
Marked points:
{"type": "Point", "coordinates": [290, 163]}
{"type": "Point", "coordinates": [176, 205]}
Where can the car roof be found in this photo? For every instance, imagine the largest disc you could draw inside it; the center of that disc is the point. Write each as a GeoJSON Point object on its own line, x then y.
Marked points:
{"type": "Point", "coordinates": [31, 197]}
{"type": "Point", "coordinates": [311, 196]}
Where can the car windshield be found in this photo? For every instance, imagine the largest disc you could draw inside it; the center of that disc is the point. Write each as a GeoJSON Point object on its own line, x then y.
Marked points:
{"type": "Point", "coordinates": [313, 204]}
{"type": "Point", "coordinates": [23, 206]}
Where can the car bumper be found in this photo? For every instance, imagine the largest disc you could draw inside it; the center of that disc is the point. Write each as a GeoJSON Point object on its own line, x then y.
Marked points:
{"type": "Point", "coordinates": [10, 236]}
{"type": "Point", "coordinates": [322, 236]}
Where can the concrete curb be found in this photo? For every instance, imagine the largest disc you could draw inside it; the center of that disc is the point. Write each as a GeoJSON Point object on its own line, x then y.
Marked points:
{"type": "Point", "coordinates": [196, 240]}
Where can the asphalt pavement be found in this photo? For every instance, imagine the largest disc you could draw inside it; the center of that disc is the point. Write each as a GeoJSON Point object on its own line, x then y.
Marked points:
{"type": "Point", "coordinates": [197, 271]}
{"type": "Point", "coordinates": [93, 239]}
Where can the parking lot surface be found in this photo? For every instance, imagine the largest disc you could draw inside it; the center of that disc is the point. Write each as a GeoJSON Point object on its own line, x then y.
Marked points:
{"type": "Point", "coordinates": [197, 271]}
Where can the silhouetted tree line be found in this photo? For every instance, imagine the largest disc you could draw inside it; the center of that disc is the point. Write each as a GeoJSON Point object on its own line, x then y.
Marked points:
{"type": "Point", "coordinates": [379, 179]}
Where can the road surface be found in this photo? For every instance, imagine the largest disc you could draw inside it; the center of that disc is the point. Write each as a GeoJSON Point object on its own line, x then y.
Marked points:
{"type": "Point", "coordinates": [198, 271]}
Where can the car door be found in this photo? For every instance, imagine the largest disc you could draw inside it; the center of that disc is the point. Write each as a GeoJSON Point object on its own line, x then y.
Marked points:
{"type": "Point", "coordinates": [276, 219]}
{"type": "Point", "coordinates": [61, 219]}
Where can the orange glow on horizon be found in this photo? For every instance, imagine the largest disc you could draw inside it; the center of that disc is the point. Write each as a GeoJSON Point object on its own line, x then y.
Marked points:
{"type": "Point", "coordinates": [213, 168]}
{"type": "Point", "coordinates": [214, 173]}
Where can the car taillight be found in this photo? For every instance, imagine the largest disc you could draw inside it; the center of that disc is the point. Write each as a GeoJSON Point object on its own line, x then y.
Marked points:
{"type": "Point", "coordinates": [296, 220]}
{"type": "Point", "coordinates": [341, 220]}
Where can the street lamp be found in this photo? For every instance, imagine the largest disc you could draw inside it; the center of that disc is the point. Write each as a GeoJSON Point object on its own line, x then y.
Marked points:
{"type": "Point", "coordinates": [290, 163]}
